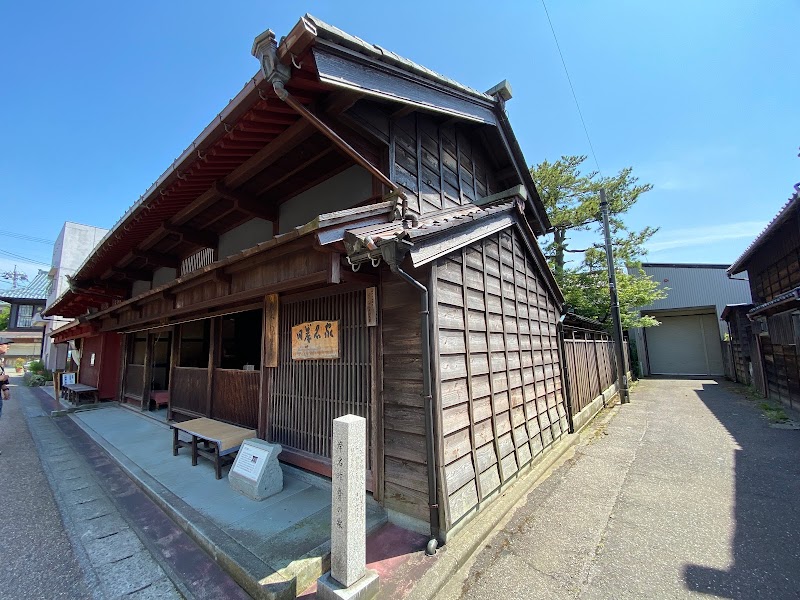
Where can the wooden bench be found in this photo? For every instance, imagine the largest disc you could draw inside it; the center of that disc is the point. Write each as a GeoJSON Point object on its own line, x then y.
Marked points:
{"type": "Point", "coordinates": [225, 439]}
{"type": "Point", "coordinates": [160, 397]}
{"type": "Point", "coordinates": [74, 391]}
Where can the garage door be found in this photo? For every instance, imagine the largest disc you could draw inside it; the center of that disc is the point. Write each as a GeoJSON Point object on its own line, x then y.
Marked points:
{"type": "Point", "coordinates": [685, 345]}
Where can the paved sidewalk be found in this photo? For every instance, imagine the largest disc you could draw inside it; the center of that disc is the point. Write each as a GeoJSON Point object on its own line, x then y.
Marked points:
{"type": "Point", "coordinates": [686, 492]}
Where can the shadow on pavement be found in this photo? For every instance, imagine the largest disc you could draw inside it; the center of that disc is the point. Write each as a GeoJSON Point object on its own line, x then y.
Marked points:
{"type": "Point", "coordinates": [766, 545]}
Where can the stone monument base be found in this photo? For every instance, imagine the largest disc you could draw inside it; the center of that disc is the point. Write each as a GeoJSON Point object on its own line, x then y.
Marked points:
{"type": "Point", "coordinates": [256, 472]}
{"type": "Point", "coordinates": [363, 589]}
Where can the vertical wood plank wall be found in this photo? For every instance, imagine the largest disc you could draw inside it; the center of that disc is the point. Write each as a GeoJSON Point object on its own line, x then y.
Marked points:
{"type": "Point", "coordinates": [501, 391]}
{"type": "Point", "coordinates": [90, 373]}
{"type": "Point", "coordinates": [405, 472]}
{"type": "Point", "coordinates": [439, 164]}
{"type": "Point", "coordinates": [590, 361]}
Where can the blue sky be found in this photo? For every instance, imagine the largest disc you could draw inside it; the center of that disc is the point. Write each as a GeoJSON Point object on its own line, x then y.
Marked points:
{"type": "Point", "coordinates": [700, 98]}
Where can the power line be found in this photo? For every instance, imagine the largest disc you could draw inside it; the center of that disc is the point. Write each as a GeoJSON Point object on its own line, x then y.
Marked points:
{"type": "Point", "coordinates": [27, 238]}
{"type": "Point", "coordinates": [569, 79]}
{"type": "Point", "coordinates": [25, 258]}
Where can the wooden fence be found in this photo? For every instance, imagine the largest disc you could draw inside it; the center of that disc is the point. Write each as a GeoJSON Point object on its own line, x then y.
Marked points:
{"type": "Point", "coordinates": [590, 365]}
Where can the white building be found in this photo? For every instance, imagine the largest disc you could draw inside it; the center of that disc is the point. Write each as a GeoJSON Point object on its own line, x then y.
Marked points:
{"type": "Point", "coordinates": [689, 339]}
{"type": "Point", "coordinates": [74, 244]}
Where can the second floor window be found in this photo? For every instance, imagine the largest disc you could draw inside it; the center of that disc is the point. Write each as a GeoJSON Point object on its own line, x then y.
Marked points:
{"type": "Point", "coordinates": [25, 315]}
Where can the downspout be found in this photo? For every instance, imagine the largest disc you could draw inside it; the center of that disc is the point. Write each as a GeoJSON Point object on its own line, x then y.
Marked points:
{"type": "Point", "coordinates": [265, 49]}
{"type": "Point", "coordinates": [393, 254]}
{"type": "Point", "coordinates": [430, 449]}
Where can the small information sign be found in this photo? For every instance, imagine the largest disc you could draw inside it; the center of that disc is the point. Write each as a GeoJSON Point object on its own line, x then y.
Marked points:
{"type": "Point", "coordinates": [256, 472]}
{"type": "Point", "coordinates": [251, 460]}
{"type": "Point", "coordinates": [315, 340]}
{"type": "Point", "coordinates": [67, 378]}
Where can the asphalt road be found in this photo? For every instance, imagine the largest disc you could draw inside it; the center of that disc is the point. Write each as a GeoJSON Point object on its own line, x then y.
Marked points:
{"type": "Point", "coordinates": [35, 552]}
{"type": "Point", "coordinates": [687, 492]}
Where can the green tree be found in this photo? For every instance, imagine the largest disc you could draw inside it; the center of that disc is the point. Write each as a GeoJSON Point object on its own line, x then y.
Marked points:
{"type": "Point", "coordinates": [586, 291]}
{"type": "Point", "coordinates": [5, 314]}
{"type": "Point", "coordinates": [572, 201]}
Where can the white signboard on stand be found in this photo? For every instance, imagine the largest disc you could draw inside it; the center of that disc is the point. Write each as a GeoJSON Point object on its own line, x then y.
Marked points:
{"type": "Point", "coordinates": [256, 472]}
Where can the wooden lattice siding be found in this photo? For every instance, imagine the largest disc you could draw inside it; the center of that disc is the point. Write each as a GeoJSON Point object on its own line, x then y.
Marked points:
{"type": "Point", "coordinates": [590, 363]}
{"type": "Point", "coordinates": [775, 268]}
{"type": "Point", "coordinates": [741, 333]}
{"type": "Point", "coordinates": [189, 389]}
{"type": "Point", "coordinates": [234, 397]}
{"type": "Point", "coordinates": [782, 372]}
{"type": "Point", "coordinates": [405, 487]}
{"type": "Point", "coordinates": [501, 388]}
{"type": "Point", "coordinates": [307, 395]}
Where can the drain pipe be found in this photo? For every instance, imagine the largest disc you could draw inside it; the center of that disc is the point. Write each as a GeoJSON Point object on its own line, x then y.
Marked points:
{"type": "Point", "coordinates": [433, 504]}
{"type": "Point", "coordinates": [393, 253]}
{"type": "Point", "coordinates": [265, 49]}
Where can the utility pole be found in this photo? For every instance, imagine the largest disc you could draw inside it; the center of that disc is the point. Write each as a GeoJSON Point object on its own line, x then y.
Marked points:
{"type": "Point", "coordinates": [622, 378]}
{"type": "Point", "coordinates": [14, 276]}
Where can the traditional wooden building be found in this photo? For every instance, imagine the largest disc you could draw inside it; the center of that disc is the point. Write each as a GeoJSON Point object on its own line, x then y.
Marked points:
{"type": "Point", "coordinates": [25, 302]}
{"type": "Point", "coordinates": [352, 234]}
{"type": "Point", "coordinates": [772, 264]}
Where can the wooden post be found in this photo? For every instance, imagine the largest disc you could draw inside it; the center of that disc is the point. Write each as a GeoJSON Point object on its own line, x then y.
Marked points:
{"type": "Point", "coordinates": [269, 361]}
{"type": "Point", "coordinates": [213, 348]}
{"type": "Point", "coordinates": [147, 372]}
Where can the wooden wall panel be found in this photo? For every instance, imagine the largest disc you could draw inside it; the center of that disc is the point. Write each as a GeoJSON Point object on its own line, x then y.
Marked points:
{"type": "Point", "coordinates": [438, 164]}
{"type": "Point", "coordinates": [501, 395]}
{"type": "Point", "coordinates": [89, 373]}
{"type": "Point", "coordinates": [234, 397]}
{"type": "Point", "coordinates": [401, 398]}
{"type": "Point", "coordinates": [188, 389]}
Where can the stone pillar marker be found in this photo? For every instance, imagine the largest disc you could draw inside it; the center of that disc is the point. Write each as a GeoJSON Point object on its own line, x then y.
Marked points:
{"type": "Point", "coordinates": [349, 577]}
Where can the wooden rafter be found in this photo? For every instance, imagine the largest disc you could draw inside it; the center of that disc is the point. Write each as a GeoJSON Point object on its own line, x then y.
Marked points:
{"type": "Point", "coordinates": [203, 239]}
{"type": "Point", "coordinates": [158, 259]}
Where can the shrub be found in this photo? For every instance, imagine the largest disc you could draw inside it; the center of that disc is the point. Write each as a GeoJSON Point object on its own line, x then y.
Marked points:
{"type": "Point", "coordinates": [33, 380]}
{"type": "Point", "coordinates": [36, 366]}
{"type": "Point", "coordinates": [19, 363]}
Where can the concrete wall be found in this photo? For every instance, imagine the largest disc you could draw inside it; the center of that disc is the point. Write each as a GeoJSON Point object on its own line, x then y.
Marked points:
{"type": "Point", "coordinates": [344, 190]}
{"type": "Point", "coordinates": [73, 245]}
{"type": "Point", "coordinates": [243, 237]}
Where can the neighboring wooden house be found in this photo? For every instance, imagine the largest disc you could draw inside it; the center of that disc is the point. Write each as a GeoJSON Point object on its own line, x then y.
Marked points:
{"type": "Point", "coordinates": [772, 263]}
{"type": "Point", "coordinates": [739, 341]}
{"type": "Point", "coordinates": [25, 302]}
{"type": "Point", "coordinates": [280, 273]}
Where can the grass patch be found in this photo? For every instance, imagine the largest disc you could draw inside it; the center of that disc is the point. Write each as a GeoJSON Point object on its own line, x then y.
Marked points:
{"type": "Point", "coordinates": [774, 413]}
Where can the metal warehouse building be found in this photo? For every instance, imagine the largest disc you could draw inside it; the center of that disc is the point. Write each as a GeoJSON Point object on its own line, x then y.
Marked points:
{"type": "Point", "coordinates": [689, 339]}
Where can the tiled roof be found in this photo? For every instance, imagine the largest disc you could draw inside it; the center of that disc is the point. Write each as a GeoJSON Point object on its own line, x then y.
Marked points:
{"type": "Point", "coordinates": [38, 289]}
{"type": "Point", "coordinates": [356, 43]}
{"type": "Point", "coordinates": [790, 296]}
{"type": "Point", "coordinates": [740, 264]}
